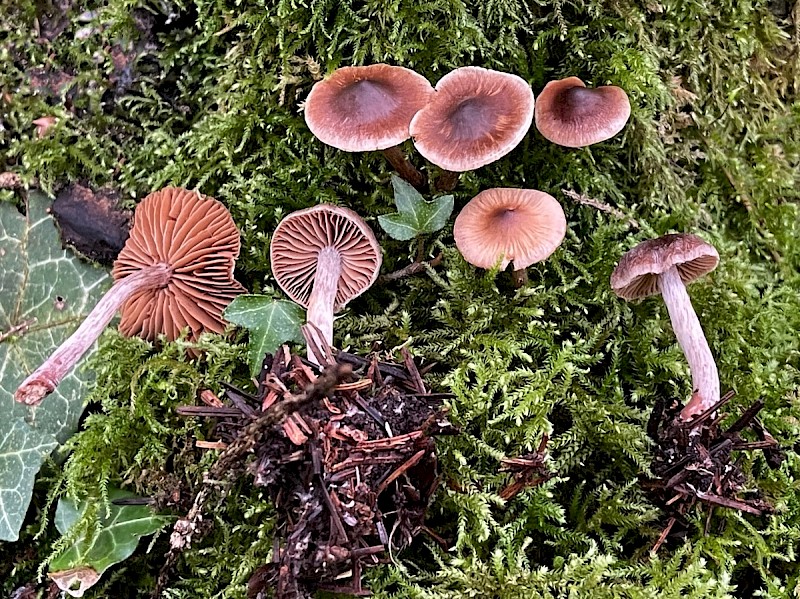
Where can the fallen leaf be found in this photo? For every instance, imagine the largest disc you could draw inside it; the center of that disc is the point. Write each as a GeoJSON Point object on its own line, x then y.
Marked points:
{"type": "Point", "coordinates": [34, 273]}
{"type": "Point", "coordinates": [113, 540]}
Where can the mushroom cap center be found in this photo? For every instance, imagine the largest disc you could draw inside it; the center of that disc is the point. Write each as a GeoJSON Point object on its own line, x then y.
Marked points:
{"type": "Point", "coordinates": [578, 103]}
{"type": "Point", "coordinates": [366, 100]}
{"type": "Point", "coordinates": [471, 119]}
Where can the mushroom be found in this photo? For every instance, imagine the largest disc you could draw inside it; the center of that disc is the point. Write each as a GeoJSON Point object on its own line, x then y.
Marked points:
{"type": "Point", "coordinates": [361, 109]}
{"type": "Point", "coordinates": [569, 114]}
{"type": "Point", "coordinates": [175, 271]}
{"type": "Point", "coordinates": [322, 257]}
{"type": "Point", "coordinates": [665, 265]}
{"type": "Point", "coordinates": [475, 117]}
{"type": "Point", "coordinates": [523, 226]}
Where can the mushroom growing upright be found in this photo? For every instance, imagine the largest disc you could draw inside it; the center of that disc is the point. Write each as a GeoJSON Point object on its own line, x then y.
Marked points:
{"type": "Point", "coordinates": [475, 117]}
{"type": "Point", "coordinates": [523, 226]}
{"type": "Point", "coordinates": [322, 257]}
{"type": "Point", "coordinates": [362, 109]}
{"type": "Point", "coordinates": [665, 265]}
{"type": "Point", "coordinates": [175, 271]}
{"type": "Point", "coordinates": [572, 115]}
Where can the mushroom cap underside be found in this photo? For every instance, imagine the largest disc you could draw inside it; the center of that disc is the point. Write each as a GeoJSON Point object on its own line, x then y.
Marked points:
{"type": "Point", "coordinates": [197, 238]}
{"type": "Point", "coordinates": [302, 235]}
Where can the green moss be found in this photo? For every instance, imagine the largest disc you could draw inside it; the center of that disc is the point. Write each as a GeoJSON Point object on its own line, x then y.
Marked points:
{"type": "Point", "coordinates": [713, 147]}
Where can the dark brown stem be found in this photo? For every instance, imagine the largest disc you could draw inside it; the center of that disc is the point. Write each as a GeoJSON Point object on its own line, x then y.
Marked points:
{"type": "Point", "coordinates": [447, 181]}
{"type": "Point", "coordinates": [47, 377]}
{"type": "Point", "coordinates": [411, 269]}
{"type": "Point", "coordinates": [405, 169]}
{"type": "Point", "coordinates": [519, 277]}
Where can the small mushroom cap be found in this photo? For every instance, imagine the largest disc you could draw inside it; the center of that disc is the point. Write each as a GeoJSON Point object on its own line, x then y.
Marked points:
{"type": "Point", "coordinates": [360, 109]}
{"type": "Point", "coordinates": [569, 114]}
{"type": "Point", "coordinates": [196, 236]}
{"type": "Point", "coordinates": [301, 236]}
{"type": "Point", "coordinates": [636, 275]}
{"type": "Point", "coordinates": [475, 117]}
{"type": "Point", "coordinates": [522, 226]}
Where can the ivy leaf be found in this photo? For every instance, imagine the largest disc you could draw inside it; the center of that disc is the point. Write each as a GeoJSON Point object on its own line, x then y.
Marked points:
{"type": "Point", "coordinates": [270, 322]}
{"type": "Point", "coordinates": [114, 539]}
{"type": "Point", "coordinates": [415, 216]}
{"type": "Point", "coordinates": [22, 451]}
{"type": "Point", "coordinates": [44, 295]}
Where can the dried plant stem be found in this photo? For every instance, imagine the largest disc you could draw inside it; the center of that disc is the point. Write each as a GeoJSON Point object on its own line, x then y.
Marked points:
{"type": "Point", "coordinates": [47, 377]}
{"type": "Point", "coordinates": [601, 206]}
{"type": "Point", "coordinates": [322, 301]}
{"type": "Point", "coordinates": [404, 168]}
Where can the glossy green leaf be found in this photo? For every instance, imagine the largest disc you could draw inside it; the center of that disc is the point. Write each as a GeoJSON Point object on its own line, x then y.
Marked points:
{"type": "Point", "coordinates": [113, 539]}
{"type": "Point", "coordinates": [414, 215]}
{"type": "Point", "coordinates": [270, 322]}
{"type": "Point", "coordinates": [45, 292]}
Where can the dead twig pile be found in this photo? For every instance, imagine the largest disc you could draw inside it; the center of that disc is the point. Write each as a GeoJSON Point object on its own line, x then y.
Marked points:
{"type": "Point", "coordinates": [694, 463]}
{"type": "Point", "coordinates": [347, 455]}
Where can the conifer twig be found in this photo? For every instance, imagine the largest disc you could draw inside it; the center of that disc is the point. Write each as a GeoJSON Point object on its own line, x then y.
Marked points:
{"type": "Point", "coordinates": [601, 206]}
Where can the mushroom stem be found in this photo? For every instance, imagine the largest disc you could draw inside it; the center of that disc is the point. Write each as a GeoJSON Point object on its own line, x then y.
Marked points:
{"type": "Point", "coordinates": [705, 378]}
{"type": "Point", "coordinates": [322, 300]}
{"type": "Point", "coordinates": [447, 181]}
{"type": "Point", "coordinates": [519, 277]}
{"type": "Point", "coordinates": [404, 168]}
{"type": "Point", "coordinates": [46, 378]}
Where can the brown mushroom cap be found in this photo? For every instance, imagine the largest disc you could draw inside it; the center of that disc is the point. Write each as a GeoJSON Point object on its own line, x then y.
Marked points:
{"type": "Point", "coordinates": [359, 109]}
{"type": "Point", "coordinates": [636, 275]}
{"type": "Point", "coordinates": [523, 226]}
{"type": "Point", "coordinates": [301, 236]}
{"type": "Point", "coordinates": [475, 117]}
{"type": "Point", "coordinates": [569, 114]}
{"type": "Point", "coordinates": [196, 236]}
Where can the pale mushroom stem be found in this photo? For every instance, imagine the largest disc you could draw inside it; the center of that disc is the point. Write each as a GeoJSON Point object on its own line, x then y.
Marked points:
{"type": "Point", "coordinates": [705, 378]}
{"type": "Point", "coordinates": [46, 378]}
{"type": "Point", "coordinates": [404, 168]}
{"type": "Point", "coordinates": [322, 301]}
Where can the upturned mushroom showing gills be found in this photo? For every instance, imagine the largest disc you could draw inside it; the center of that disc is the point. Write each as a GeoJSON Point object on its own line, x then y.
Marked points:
{"type": "Point", "coordinates": [665, 265]}
{"type": "Point", "coordinates": [572, 115]}
{"type": "Point", "coordinates": [175, 271]}
{"type": "Point", "coordinates": [323, 257]}
{"type": "Point", "coordinates": [362, 109]}
{"type": "Point", "coordinates": [505, 225]}
{"type": "Point", "coordinates": [475, 117]}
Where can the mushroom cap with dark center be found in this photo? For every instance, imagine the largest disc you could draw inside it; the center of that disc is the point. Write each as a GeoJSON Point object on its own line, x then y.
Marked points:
{"type": "Point", "coordinates": [636, 275]}
{"type": "Point", "coordinates": [569, 114]}
{"type": "Point", "coordinates": [302, 235]}
{"type": "Point", "coordinates": [359, 109]}
{"type": "Point", "coordinates": [475, 117]}
{"type": "Point", "coordinates": [196, 236]}
{"type": "Point", "coordinates": [522, 226]}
